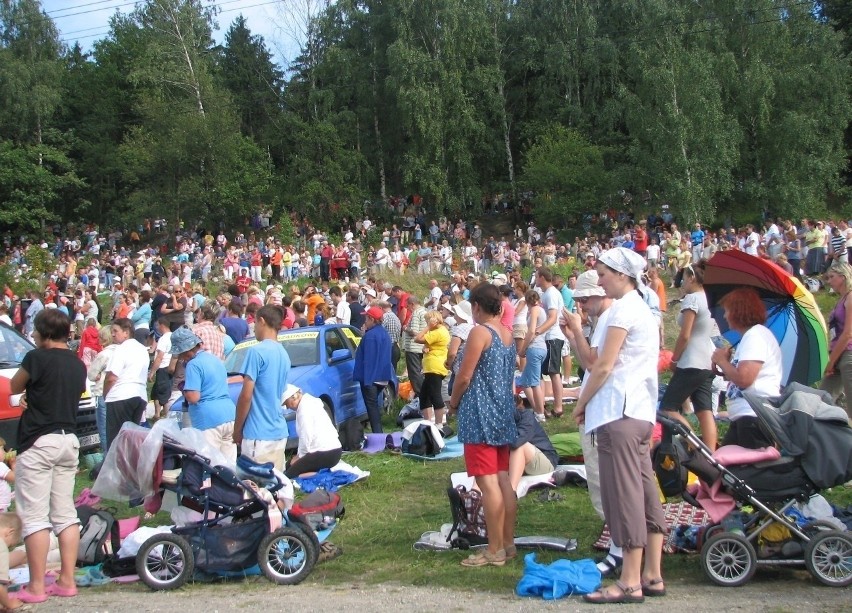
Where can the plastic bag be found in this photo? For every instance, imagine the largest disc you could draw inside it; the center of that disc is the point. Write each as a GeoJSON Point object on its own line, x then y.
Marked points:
{"type": "Point", "coordinates": [561, 578]}
{"type": "Point", "coordinates": [128, 468]}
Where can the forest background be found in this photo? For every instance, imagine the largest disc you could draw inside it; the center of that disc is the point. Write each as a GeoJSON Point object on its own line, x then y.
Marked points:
{"type": "Point", "coordinates": [721, 109]}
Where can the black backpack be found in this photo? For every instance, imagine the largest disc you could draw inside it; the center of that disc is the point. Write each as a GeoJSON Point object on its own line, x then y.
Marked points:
{"type": "Point", "coordinates": [422, 442]}
{"type": "Point", "coordinates": [668, 461]}
{"type": "Point", "coordinates": [468, 518]}
{"type": "Point", "coordinates": [352, 435]}
{"type": "Point", "coordinates": [99, 535]}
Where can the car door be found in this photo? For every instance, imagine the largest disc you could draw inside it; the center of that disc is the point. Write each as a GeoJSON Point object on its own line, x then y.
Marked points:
{"type": "Point", "coordinates": [350, 403]}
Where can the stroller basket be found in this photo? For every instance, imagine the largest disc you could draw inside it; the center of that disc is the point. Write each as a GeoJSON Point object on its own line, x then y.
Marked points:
{"type": "Point", "coordinates": [226, 547]}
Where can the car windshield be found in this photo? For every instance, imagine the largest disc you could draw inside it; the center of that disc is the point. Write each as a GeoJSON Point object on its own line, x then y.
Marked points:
{"type": "Point", "coordinates": [13, 348]}
{"type": "Point", "coordinates": [303, 349]}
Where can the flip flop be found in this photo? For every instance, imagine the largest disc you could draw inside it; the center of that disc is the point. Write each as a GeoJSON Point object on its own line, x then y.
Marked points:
{"type": "Point", "coordinates": [62, 592]}
{"type": "Point", "coordinates": [24, 596]}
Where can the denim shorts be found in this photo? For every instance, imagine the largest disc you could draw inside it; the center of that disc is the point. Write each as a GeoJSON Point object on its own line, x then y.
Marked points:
{"type": "Point", "coordinates": [531, 377]}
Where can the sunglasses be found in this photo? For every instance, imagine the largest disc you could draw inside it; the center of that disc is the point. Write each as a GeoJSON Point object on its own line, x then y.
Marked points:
{"type": "Point", "coordinates": [581, 300]}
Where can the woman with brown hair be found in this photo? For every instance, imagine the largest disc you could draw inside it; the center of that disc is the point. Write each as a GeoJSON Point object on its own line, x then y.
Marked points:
{"type": "Point", "coordinates": [754, 366]}
{"type": "Point", "coordinates": [838, 371]}
{"type": "Point", "coordinates": [482, 395]}
{"type": "Point", "coordinates": [693, 374]}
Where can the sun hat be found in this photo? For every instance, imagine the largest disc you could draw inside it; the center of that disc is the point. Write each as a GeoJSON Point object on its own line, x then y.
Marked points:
{"type": "Point", "coordinates": [289, 391]}
{"type": "Point", "coordinates": [375, 312]}
{"type": "Point", "coordinates": [184, 339]}
{"type": "Point", "coordinates": [587, 285]}
{"type": "Point", "coordinates": [463, 311]}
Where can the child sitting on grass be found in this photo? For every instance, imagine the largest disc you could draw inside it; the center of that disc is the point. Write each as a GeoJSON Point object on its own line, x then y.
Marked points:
{"type": "Point", "coordinates": [10, 534]}
{"type": "Point", "coordinates": [7, 476]}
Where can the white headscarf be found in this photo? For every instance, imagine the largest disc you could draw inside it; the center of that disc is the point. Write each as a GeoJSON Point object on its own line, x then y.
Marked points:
{"type": "Point", "coordinates": [625, 261]}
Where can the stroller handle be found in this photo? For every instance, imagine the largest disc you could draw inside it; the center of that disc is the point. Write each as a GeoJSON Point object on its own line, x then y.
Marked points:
{"type": "Point", "coordinates": [673, 424]}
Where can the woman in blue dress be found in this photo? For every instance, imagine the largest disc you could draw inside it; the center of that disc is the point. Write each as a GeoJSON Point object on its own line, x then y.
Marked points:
{"type": "Point", "coordinates": [482, 394]}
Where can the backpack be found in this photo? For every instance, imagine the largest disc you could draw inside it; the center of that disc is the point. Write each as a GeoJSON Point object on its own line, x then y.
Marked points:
{"type": "Point", "coordinates": [96, 526]}
{"type": "Point", "coordinates": [468, 518]}
{"type": "Point", "coordinates": [118, 567]}
{"type": "Point", "coordinates": [668, 462]}
{"type": "Point", "coordinates": [425, 441]}
{"type": "Point", "coordinates": [352, 435]}
{"type": "Point", "coordinates": [319, 509]}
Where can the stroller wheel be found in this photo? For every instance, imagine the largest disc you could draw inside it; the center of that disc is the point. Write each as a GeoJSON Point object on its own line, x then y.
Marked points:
{"type": "Point", "coordinates": [286, 556]}
{"type": "Point", "coordinates": [828, 557]}
{"type": "Point", "coordinates": [728, 559]}
{"type": "Point", "coordinates": [300, 524]}
{"type": "Point", "coordinates": [165, 562]}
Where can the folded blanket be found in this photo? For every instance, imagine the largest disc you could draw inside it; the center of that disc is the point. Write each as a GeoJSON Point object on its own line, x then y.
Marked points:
{"type": "Point", "coordinates": [331, 479]}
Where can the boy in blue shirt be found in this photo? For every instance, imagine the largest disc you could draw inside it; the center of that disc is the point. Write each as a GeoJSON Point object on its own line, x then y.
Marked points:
{"type": "Point", "coordinates": [260, 427]}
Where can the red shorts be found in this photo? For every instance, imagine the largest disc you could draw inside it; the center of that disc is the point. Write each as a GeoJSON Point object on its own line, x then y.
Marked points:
{"type": "Point", "coordinates": [482, 459]}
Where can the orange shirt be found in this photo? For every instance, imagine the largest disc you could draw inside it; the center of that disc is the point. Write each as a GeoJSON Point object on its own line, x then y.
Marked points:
{"type": "Point", "coordinates": [660, 288]}
{"type": "Point", "coordinates": [312, 302]}
{"type": "Point", "coordinates": [276, 257]}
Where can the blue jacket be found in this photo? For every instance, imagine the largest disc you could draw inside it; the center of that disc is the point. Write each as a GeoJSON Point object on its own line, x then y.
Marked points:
{"type": "Point", "coordinates": [373, 359]}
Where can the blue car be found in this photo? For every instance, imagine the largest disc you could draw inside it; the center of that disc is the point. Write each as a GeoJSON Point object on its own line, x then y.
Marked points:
{"type": "Point", "coordinates": [322, 360]}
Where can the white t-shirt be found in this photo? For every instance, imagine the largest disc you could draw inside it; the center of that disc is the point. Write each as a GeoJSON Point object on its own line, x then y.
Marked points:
{"type": "Point", "coordinates": [754, 239]}
{"type": "Point", "coordinates": [699, 349]}
{"type": "Point", "coordinates": [552, 299]}
{"type": "Point", "coordinates": [165, 345]}
{"type": "Point", "coordinates": [758, 344]}
{"type": "Point", "coordinates": [435, 296]}
{"type": "Point", "coordinates": [382, 256]}
{"type": "Point", "coordinates": [343, 313]}
{"type": "Point", "coordinates": [653, 252]}
{"type": "Point", "coordinates": [631, 388]}
{"type": "Point", "coordinates": [316, 432]}
{"type": "Point", "coordinates": [129, 362]}
{"type": "Point", "coordinates": [5, 489]}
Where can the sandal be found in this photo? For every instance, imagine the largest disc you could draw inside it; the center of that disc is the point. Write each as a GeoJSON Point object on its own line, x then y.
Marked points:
{"type": "Point", "coordinates": [486, 558]}
{"type": "Point", "coordinates": [653, 592]}
{"type": "Point", "coordinates": [626, 596]}
{"type": "Point", "coordinates": [511, 552]}
{"type": "Point", "coordinates": [609, 565]}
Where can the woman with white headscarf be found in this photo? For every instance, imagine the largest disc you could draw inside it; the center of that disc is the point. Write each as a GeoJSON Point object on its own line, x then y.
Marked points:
{"type": "Point", "coordinates": [617, 403]}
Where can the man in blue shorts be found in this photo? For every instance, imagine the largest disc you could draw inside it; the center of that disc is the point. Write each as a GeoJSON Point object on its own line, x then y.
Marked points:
{"type": "Point", "coordinates": [260, 427]}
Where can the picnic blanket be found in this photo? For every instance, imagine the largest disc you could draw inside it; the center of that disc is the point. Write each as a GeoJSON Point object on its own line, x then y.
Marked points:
{"type": "Point", "coordinates": [684, 522]}
{"type": "Point", "coordinates": [527, 482]}
{"type": "Point", "coordinates": [439, 540]}
{"type": "Point", "coordinates": [376, 443]}
{"type": "Point", "coordinates": [452, 449]}
{"type": "Point", "coordinates": [331, 479]}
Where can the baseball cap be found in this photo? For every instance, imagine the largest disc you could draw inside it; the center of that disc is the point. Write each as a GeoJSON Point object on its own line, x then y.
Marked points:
{"type": "Point", "coordinates": [375, 312]}
{"type": "Point", "coordinates": [587, 285]}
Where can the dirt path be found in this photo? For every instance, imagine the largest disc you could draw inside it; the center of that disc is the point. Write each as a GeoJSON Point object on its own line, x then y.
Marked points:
{"type": "Point", "coordinates": [785, 592]}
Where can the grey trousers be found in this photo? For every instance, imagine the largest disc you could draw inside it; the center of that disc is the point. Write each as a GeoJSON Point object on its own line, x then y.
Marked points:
{"type": "Point", "coordinates": [414, 365]}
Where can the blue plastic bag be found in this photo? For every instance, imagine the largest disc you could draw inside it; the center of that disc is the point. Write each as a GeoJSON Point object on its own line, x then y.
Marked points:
{"type": "Point", "coordinates": [561, 578]}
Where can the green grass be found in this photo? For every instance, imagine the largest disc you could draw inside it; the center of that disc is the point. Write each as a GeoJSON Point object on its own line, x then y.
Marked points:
{"type": "Point", "coordinates": [387, 513]}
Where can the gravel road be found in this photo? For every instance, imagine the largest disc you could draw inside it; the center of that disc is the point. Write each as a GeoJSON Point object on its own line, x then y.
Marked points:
{"type": "Point", "coordinates": [775, 592]}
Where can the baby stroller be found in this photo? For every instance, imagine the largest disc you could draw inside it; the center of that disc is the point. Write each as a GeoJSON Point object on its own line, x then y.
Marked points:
{"type": "Point", "coordinates": [240, 525]}
{"type": "Point", "coordinates": [816, 453]}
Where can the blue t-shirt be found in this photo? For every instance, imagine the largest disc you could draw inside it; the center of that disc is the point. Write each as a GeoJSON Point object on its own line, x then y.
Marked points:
{"type": "Point", "coordinates": [568, 297]}
{"type": "Point", "coordinates": [205, 373]}
{"type": "Point", "coordinates": [267, 364]}
{"type": "Point", "coordinates": [235, 327]}
{"type": "Point", "coordinates": [697, 237]}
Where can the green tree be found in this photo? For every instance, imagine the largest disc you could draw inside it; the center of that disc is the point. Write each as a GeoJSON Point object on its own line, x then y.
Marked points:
{"type": "Point", "coordinates": [567, 173]}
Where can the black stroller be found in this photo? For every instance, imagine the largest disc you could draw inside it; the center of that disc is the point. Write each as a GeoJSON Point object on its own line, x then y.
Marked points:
{"type": "Point", "coordinates": [240, 524]}
{"type": "Point", "coordinates": [816, 446]}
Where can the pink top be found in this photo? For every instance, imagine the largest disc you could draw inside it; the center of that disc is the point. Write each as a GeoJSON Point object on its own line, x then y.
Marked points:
{"type": "Point", "coordinates": [508, 317]}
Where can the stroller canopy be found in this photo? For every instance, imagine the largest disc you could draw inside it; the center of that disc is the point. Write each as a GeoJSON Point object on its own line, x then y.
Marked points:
{"type": "Point", "coordinates": [806, 426]}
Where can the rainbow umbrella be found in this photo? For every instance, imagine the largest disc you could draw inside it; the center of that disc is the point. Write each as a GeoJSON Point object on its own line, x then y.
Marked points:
{"type": "Point", "coordinates": [792, 313]}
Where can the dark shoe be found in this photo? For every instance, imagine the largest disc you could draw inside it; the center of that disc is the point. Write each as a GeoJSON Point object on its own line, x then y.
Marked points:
{"type": "Point", "coordinates": [446, 431]}
{"type": "Point", "coordinates": [653, 592]}
{"type": "Point", "coordinates": [609, 565]}
{"type": "Point", "coordinates": [625, 597]}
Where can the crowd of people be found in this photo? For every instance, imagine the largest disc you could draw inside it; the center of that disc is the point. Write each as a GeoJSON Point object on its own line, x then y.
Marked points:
{"type": "Point", "coordinates": [498, 330]}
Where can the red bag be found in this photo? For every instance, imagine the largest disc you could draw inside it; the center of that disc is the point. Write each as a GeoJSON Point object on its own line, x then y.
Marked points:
{"type": "Point", "coordinates": [319, 509]}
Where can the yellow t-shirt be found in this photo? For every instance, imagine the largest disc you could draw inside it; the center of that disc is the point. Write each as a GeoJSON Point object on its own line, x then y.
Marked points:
{"type": "Point", "coordinates": [438, 342]}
